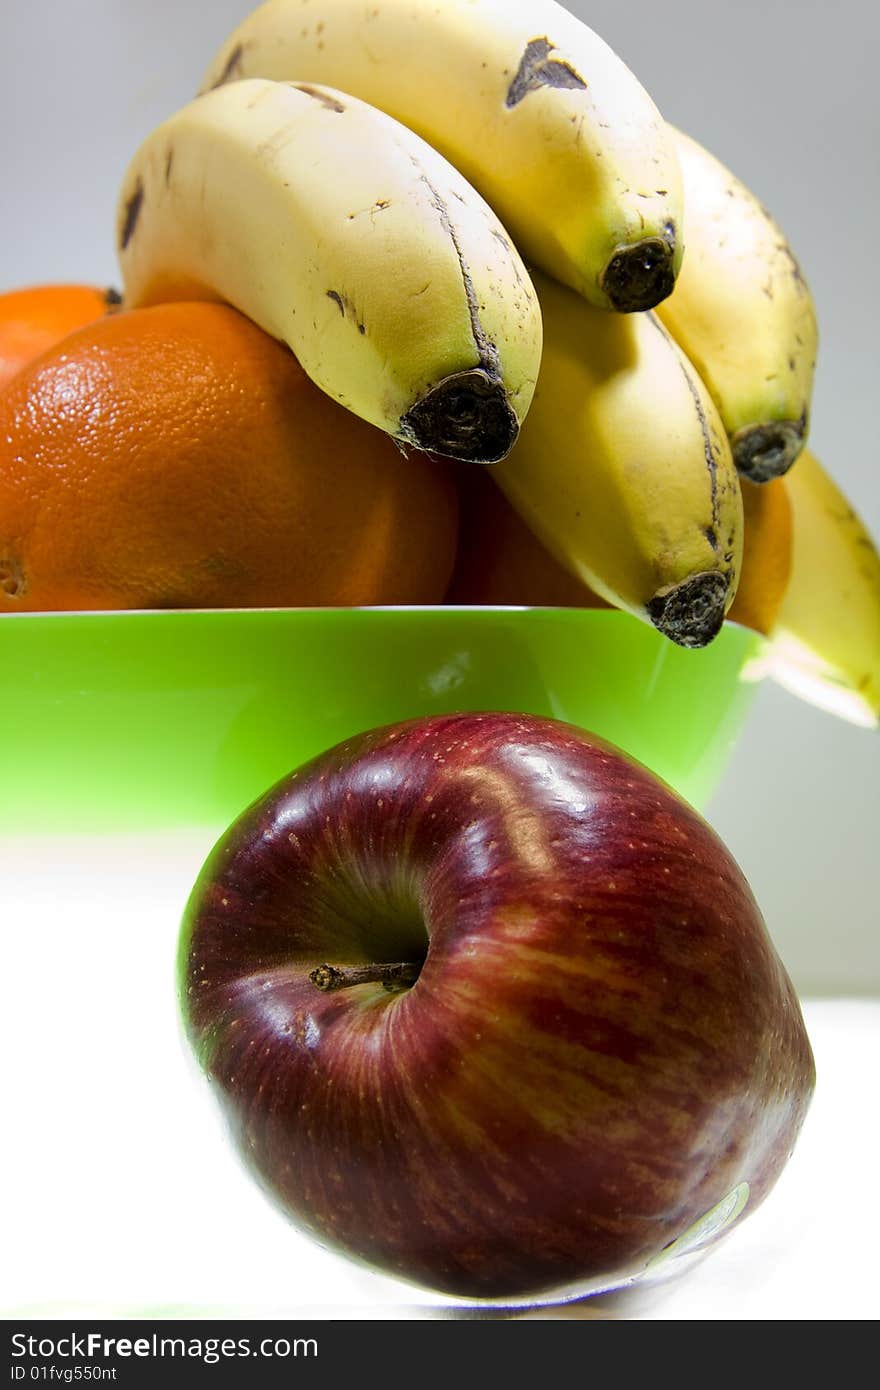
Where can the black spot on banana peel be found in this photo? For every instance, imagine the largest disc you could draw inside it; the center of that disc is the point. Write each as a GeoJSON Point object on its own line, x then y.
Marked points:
{"type": "Point", "coordinates": [763, 452]}
{"type": "Point", "coordinates": [691, 613]}
{"type": "Point", "coordinates": [641, 275]}
{"type": "Point", "coordinates": [537, 69]}
{"type": "Point", "coordinates": [133, 206]}
{"type": "Point", "coordinates": [466, 416]}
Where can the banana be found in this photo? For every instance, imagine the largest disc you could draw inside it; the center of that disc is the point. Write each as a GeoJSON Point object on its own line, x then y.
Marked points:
{"type": "Point", "coordinates": [531, 105]}
{"type": "Point", "coordinates": [623, 470]}
{"type": "Point", "coordinates": [742, 312]}
{"type": "Point", "coordinates": [344, 235]}
{"type": "Point", "coordinates": [825, 643]}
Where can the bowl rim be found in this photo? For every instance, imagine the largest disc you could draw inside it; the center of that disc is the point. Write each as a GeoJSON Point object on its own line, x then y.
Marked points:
{"type": "Point", "coordinates": [314, 613]}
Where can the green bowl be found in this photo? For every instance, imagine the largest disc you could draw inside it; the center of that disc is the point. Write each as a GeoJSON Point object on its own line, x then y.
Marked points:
{"type": "Point", "coordinates": [121, 721]}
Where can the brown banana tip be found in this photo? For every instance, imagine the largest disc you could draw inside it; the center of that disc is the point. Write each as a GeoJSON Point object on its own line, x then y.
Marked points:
{"type": "Point", "coordinates": [465, 416]}
{"type": "Point", "coordinates": [642, 275]}
{"type": "Point", "coordinates": [764, 452]}
{"type": "Point", "coordinates": [691, 613]}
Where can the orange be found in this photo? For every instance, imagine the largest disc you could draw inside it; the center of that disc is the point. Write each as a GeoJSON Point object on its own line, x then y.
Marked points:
{"type": "Point", "coordinates": [501, 561]}
{"type": "Point", "coordinates": [177, 456]}
{"type": "Point", "coordinates": [34, 319]}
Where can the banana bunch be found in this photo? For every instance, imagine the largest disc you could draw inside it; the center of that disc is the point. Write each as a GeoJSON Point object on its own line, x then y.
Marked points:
{"type": "Point", "coordinates": [473, 228]}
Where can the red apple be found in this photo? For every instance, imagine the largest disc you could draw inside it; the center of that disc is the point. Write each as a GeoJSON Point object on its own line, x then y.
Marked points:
{"type": "Point", "coordinates": [560, 1034]}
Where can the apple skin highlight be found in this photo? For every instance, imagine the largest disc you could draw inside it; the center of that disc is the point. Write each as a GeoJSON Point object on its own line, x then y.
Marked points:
{"type": "Point", "coordinates": [600, 1044]}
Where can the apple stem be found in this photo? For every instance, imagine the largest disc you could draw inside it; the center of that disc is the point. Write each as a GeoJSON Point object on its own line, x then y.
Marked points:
{"type": "Point", "coordinates": [399, 976]}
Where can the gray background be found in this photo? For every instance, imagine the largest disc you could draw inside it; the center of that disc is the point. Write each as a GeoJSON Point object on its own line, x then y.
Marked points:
{"type": "Point", "coordinates": [783, 92]}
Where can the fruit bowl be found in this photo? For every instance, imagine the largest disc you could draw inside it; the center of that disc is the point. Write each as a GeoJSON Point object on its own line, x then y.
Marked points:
{"type": "Point", "coordinates": [149, 720]}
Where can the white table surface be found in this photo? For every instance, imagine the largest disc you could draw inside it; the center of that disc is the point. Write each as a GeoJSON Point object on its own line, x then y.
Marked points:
{"type": "Point", "coordinates": [124, 1198]}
